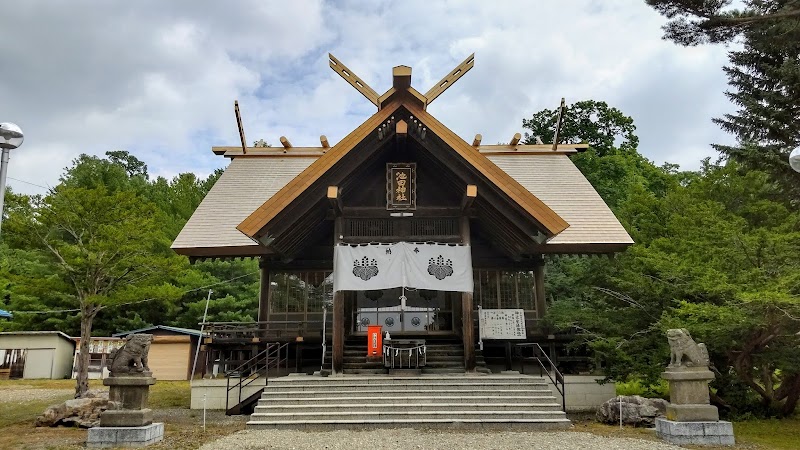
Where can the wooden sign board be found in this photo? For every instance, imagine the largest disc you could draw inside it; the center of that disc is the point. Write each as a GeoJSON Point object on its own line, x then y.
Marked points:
{"type": "Point", "coordinates": [401, 186]}
{"type": "Point", "coordinates": [502, 324]}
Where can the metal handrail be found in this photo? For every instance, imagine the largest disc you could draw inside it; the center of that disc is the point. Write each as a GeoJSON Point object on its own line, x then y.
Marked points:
{"type": "Point", "coordinates": [555, 377]}
{"type": "Point", "coordinates": [271, 356]}
{"type": "Point", "coordinates": [390, 352]}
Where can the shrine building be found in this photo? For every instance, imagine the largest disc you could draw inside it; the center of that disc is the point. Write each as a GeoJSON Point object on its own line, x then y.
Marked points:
{"type": "Point", "coordinates": [401, 224]}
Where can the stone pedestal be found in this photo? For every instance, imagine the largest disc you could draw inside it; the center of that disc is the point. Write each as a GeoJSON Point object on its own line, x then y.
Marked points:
{"type": "Point", "coordinates": [131, 393]}
{"type": "Point", "coordinates": [103, 437]}
{"type": "Point", "coordinates": [131, 424]}
{"type": "Point", "coordinates": [688, 394]}
{"type": "Point", "coordinates": [690, 418]}
{"type": "Point", "coordinates": [695, 433]}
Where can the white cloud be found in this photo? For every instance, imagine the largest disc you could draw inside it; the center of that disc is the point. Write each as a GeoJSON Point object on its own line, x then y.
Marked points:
{"type": "Point", "coordinates": [160, 78]}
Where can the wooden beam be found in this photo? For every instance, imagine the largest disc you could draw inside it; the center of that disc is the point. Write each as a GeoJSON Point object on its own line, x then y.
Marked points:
{"type": "Point", "coordinates": [450, 78]}
{"type": "Point", "coordinates": [263, 292]}
{"type": "Point", "coordinates": [515, 139]}
{"type": "Point", "coordinates": [337, 352]}
{"type": "Point", "coordinates": [467, 324]}
{"type": "Point", "coordinates": [469, 196]}
{"type": "Point", "coordinates": [335, 200]}
{"type": "Point", "coordinates": [324, 141]}
{"type": "Point", "coordinates": [477, 141]}
{"type": "Point", "coordinates": [401, 78]}
{"type": "Point", "coordinates": [285, 142]}
{"type": "Point", "coordinates": [558, 124]}
{"type": "Point", "coordinates": [538, 285]}
{"type": "Point", "coordinates": [239, 124]}
{"type": "Point", "coordinates": [401, 127]}
{"type": "Point", "coordinates": [353, 79]}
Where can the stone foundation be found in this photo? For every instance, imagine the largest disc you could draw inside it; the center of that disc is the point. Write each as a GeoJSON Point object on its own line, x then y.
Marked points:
{"type": "Point", "coordinates": [104, 437]}
{"type": "Point", "coordinates": [695, 433]}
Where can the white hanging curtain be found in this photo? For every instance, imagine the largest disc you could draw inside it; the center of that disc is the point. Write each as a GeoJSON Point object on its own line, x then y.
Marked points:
{"type": "Point", "coordinates": [439, 267]}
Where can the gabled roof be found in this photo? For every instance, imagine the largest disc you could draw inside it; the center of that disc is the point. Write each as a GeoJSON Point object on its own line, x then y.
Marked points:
{"type": "Point", "coordinates": [243, 187]}
{"type": "Point", "coordinates": [188, 331]}
{"type": "Point", "coordinates": [259, 218]}
{"type": "Point", "coordinates": [523, 197]}
{"type": "Point", "coordinates": [540, 212]}
{"type": "Point", "coordinates": [555, 180]}
{"type": "Point", "coordinates": [552, 178]}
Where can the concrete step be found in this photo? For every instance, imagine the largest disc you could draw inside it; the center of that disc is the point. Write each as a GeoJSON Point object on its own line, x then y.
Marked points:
{"type": "Point", "coordinates": [373, 409]}
{"type": "Point", "coordinates": [364, 371]}
{"type": "Point", "coordinates": [396, 385]}
{"type": "Point", "coordinates": [442, 370]}
{"type": "Point", "coordinates": [410, 415]}
{"type": "Point", "coordinates": [331, 398]}
{"type": "Point", "coordinates": [446, 423]}
{"type": "Point", "coordinates": [508, 394]}
{"type": "Point", "coordinates": [464, 378]}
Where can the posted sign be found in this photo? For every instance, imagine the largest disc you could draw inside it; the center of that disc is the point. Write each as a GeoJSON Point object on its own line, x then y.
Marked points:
{"type": "Point", "coordinates": [502, 324]}
{"type": "Point", "coordinates": [401, 186]}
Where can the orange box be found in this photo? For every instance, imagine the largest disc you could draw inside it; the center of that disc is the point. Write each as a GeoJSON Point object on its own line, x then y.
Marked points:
{"type": "Point", "coordinates": [374, 340]}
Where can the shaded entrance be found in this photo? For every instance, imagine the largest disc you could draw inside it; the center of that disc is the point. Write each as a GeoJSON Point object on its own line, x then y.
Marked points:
{"type": "Point", "coordinates": [422, 312]}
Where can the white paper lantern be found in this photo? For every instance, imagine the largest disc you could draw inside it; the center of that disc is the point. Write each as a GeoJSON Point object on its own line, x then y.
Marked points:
{"type": "Point", "coordinates": [794, 159]}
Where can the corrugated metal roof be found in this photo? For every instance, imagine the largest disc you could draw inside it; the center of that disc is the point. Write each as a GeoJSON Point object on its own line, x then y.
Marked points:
{"type": "Point", "coordinates": [555, 180]}
{"type": "Point", "coordinates": [35, 333]}
{"type": "Point", "coordinates": [240, 190]}
{"type": "Point", "coordinates": [160, 327]}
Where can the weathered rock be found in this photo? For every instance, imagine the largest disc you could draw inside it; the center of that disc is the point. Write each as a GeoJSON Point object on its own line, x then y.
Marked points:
{"type": "Point", "coordinates": [637, 411]}
{"type": "Point", "coordinates": [80, 412]}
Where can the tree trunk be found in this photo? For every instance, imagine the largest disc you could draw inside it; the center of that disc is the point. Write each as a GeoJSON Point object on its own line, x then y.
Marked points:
{"type": "Point", "coordinates": [82, 385]}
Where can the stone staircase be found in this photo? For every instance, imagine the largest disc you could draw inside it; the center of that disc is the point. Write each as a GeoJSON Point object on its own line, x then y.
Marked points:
{"type": "Point", "coordinates": [354, 401]}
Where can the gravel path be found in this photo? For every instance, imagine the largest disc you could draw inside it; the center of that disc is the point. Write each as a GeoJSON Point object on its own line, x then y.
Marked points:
{"type": "Point", "coordinates": [21, 394]}
{"type": "Point", "coordinates": [430, 439]}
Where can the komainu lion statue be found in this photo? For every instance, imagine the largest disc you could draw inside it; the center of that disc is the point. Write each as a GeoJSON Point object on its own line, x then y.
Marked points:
{"type": "Point", "coordinates": [682, 346]}
{"type": "Point", "coordinates": [131, 358]}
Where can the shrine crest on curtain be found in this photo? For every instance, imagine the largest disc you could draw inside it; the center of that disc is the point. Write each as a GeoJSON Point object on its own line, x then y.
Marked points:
{"type": "Point", "coordinates": [439, 267]}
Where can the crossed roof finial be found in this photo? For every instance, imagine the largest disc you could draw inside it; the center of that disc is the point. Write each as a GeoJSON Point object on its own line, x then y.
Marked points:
{"type": "Point", "coordinates": [401, 82]}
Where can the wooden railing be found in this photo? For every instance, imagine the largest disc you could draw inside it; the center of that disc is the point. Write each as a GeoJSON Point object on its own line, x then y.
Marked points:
{"type": "Point", "coordinates": [273, 329]}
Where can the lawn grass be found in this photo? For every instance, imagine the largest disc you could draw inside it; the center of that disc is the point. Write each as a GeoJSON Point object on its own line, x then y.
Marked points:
{"type": "Point", "coordinates": [777, 434]}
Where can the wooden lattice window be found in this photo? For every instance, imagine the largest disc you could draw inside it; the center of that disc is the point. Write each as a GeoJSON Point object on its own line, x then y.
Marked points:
{"type": "Point", "coordinates": [498, 289]}
{"type": "Point", "coordinates": [434, 227]}
{"type": "Point", "coordinates": [370, 227]}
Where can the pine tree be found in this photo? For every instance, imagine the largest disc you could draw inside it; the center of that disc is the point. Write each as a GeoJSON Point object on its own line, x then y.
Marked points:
{"type": "Point", "coordinates": [765, 84]}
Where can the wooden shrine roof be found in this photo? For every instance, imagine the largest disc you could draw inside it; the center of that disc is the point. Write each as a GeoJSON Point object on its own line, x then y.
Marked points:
{"type": "Point", "coordinates": [276, 195]}
{"type": "Point", "coordinates": [551, 177]}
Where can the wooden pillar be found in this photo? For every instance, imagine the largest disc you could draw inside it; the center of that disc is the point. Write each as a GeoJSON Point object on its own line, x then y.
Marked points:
{"type": "Point", "coordinates": [263, 294]}
{"type": "Point", "coordinates": [468, 330]}
{"type": "Point", "coordinates": [538, 281]}
{"type": "Point", "coordinates": [337, 357]}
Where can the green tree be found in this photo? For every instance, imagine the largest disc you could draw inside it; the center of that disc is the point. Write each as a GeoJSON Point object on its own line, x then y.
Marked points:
{"type": "Point", "coordinates": [105, 248]}
{"type": "Point", "coordinates": [694, 22]}
{"type": "Point", "coordinates": [612, 163]}
{"type": "Point", "coordinates": [764, 80]}
{"type": "Point", "coordinates": [764, 76]}
{"type": "Point", "coordinates": [717, 256]}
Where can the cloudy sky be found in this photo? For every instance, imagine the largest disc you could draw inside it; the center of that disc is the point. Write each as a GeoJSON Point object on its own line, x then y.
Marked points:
{"type": "Point", "coordinates": [159, 78]}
